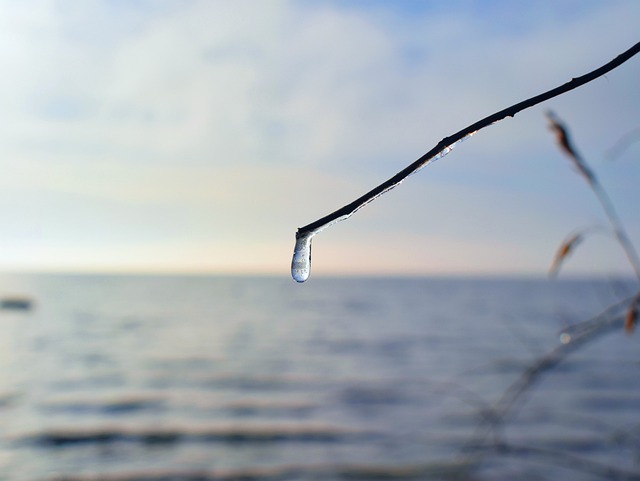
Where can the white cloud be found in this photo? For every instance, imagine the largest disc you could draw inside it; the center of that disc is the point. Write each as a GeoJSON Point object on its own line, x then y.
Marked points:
{"type": "Point", "coordinates": [249, 112]}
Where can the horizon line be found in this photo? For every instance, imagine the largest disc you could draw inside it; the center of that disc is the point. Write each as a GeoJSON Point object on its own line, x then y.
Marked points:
{"type": "Point", "coordinates": [318, 275]}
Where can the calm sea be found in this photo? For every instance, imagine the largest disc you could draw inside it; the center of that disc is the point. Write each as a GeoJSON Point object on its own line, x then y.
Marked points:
{"type": "Point", "coordinates": [236, 378]}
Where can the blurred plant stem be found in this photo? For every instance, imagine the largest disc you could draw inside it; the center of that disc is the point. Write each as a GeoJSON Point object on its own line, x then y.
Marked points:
{"type": "Point", "coordinates": [565, 144]}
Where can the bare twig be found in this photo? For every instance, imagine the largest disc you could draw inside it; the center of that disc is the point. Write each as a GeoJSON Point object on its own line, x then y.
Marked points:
{"type": "Point", "coordinates": [301, 262]}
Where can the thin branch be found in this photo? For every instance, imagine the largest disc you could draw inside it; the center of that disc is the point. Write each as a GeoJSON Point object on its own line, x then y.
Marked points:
{"type": "Point", "coordinates": [447, 143]}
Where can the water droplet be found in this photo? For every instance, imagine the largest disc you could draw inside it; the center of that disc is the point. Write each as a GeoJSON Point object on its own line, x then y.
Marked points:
{"type": "Point", "coordinates": [565, 338]}
{"type": "Point", "coordinates": [301, 262]}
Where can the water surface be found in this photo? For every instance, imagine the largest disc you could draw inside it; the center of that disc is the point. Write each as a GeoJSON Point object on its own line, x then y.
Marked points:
{"type": "Point", "coordinates": [133, 377]}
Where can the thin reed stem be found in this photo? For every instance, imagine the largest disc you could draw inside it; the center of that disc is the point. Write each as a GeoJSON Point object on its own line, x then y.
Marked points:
{"type": "Point", "coordinates": [616, 224]}
{"type": "Point", "coordinates": [564, 141]}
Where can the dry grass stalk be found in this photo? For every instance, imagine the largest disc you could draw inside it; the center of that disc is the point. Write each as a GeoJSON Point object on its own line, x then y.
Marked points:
{"type": "Point", "coordinates": [567, 246]}
{"type": "Point", "coordinates": [563, 139]}
{"type": "Point", "coordinates": [565, 144]}
{"type": "Point", "coordinates": [631, 318]}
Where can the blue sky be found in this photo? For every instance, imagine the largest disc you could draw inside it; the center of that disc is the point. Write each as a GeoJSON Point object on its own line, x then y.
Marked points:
{"type": "Point", "coordinates": [197, 136]}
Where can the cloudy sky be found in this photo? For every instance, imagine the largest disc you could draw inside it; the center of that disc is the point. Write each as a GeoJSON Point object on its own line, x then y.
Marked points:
{"type": "Point", "coordinates": [197, 136]}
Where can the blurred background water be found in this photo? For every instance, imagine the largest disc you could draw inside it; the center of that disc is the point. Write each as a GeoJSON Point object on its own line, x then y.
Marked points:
{"type": "Point", "coordinates": [171, 378]}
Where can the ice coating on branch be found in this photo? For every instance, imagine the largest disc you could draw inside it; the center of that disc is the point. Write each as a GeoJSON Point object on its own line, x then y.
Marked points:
{"type": "Point", "coordinates": [443, 152]}
{"type": "Point", "coordinates": [301, 262]}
